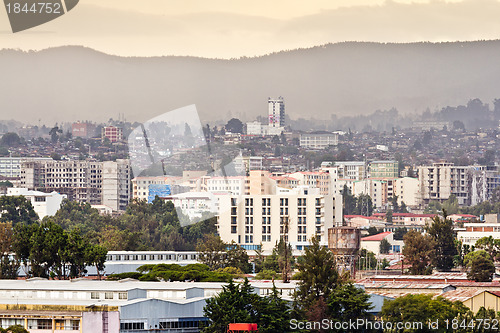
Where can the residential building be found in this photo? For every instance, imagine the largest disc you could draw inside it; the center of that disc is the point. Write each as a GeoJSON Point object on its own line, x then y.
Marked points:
{"type": "Point", "coordinates": [252, 220]}
{"type": "Point", "coordinates": [384, 169]}
{"type": "Point", "coordinates": [276, 108]}
{"type": "Point", "coordinates": [84, 181]}
{"type": "Point", "coordinates": [351, 170]}
{"type": "Point", "coordinates": [319, 180]}
{"type": "Point", "coordinates": [476, 230]}
{"type": "Point", "coordinates": [140, 185]}
{"type": "Point", "coordinates": [83, 130]}
{"type": "Point", "coordinates": [44, 204]}
{"type": "Point", "coordinates": [243, 164]}
{"type": "Point", "coordinates": [407, 191]}
{"type": "Point", "coordinates": [372, 243]}
{"type": "Point", "coordinates": [114, 134]}
{"type": "Point", "coordinates": [469, 184]}
{"type": "Point", "coordinates": [319, 140]}
{"type": "Point", "coordinates": [11, 166]}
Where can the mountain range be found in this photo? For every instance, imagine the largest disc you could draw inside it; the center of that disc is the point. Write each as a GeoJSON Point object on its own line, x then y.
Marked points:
{"type": "Point", "coordinates": [353, 78]}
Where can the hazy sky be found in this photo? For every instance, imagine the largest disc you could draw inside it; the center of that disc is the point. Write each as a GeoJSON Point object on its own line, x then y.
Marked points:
{"type": "Point", "coordinates": [234, 28]}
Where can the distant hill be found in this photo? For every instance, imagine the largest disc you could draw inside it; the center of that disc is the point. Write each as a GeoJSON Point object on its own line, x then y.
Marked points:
{"type": "Point", "coordinates": [75, 83]}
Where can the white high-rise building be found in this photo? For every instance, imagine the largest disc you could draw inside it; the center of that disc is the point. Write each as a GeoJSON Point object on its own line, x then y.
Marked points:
{"type": "Point", "coordinates": [276, 112]}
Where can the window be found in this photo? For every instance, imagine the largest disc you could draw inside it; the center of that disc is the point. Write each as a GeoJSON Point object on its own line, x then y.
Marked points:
{"type": "Point", "coordinates": [132, 326]}
{"type": "Point", "coordinates": [233, 229]}
{"type": "Point", "coordinates": [122, 295]}
{"type": "Point", "coordinates": [108, 295]}
{"type": "Point", "coordinates": [94, 295]}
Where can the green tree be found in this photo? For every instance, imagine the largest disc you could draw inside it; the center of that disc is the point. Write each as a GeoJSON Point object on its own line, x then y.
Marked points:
{"type": "Point", "coordinates": [418, 252]}
{"type": "Point", "coordinates": [348, 302]}
{"type": "Point", "coordinates": [14, 329]}
{"type": "Point", "coordinates": [273, 313]}
{"type": "Point", "coordinates": [421, 308]}
{"type": "Point", "coordinates": [237, 257]}
{"type": "Point", "coordinates": [17, 209]}
{"type": "Point", "coordinates": [235, 304]}
{"type": "Point", "coordinates": [372, 231]}
{"type": "Point", "coordinates": [367, 260]}
{"type": "Point", "coordinates": [480, 267]}
{"type": "Point", "coordinates": [388, 216]}
{"type": "Point", "coordinates": [384, 246]}
{"type": "Point", "coordinates": [490, 245]}
{"type": "Point", "coordinates": [319, 278]}
{"type": "Point", "coordinates": [10, 139]}
{"type": "Point", "coordinates": [8, 266]}
{"type": "Point", "coordinates": [451, 205]}
{"type": "Point", "coordinates": [234, 125]}
{"type": "Point", "coordinates": [399, 233]}
{"type": "Point", "coordinates": [212, 252]}
{"type": "Point", "coordinates": [441, 231]}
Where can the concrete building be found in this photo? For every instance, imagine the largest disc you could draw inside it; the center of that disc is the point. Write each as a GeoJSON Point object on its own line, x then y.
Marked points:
{"type": "Point", "coordinates": [319, 180]}
{"type": "Point", "coordinates": [83, 130]}
{"type": "Point", "coordinates": [318, 140]}
{"type": "Point", "coordinates": [261, 219]}
{"type": "Point", "coordinates": [93, 182]}
{"type": "Point", "coordinates": [88, 306]}
{"type": "Point", "coordinates": [372, 243]}
{"type": "Point", "coordinates": [383, 169]}
{"type": "Point", "coordinates": [44, 204]}
{"type": "Point", "coordinates": [114, 134]}
{"type": "Point", "coordinates": [276, 110]}
{"type": "Point", "coordinates": [470, 184]}
{"type": "Point", "coordinates": [407, 190]}
{"type": "Point", "coordinates": [11, 166]}
{"type": "Point", "coordinates": [351, 170]}
{"type": "Point", "coordinates": [244, 164]}
{"type": "Point", "coordinates": [377, 190]}
{"type": "Point", "coordinates": [476, 230]}
{"type": "Point", "coordinates": [140, 185]}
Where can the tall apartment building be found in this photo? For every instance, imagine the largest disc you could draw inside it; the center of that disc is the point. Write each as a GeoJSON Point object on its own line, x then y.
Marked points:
{"type": "Point", "coordinates": [470, 184]}
{"type": "Point", "coordinates": [97, 183]}
{"type": "Point", "coordinates": [384, 169]}
{"type": "Point", "coordinates": [252, 220]}
{"type": "Point", "coordinates": [276, 107]}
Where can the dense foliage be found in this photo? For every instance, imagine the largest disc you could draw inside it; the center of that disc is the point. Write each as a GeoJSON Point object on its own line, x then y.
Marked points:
{"type": "Point", "coordinates": [422, 308]}
{"type": "Point", "coordinates": [174, 272]}
{"type": "Point", "coordinates": [238, 303]}
{"type": "Point", "coordinates": [143, 226]}
{"type": "Point", "coordinates": [442, 232]}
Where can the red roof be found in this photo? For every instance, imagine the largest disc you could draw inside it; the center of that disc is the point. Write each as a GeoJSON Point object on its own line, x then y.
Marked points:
{"type": "Point", "coordinates": [362, 216]}
{"type": "Point", "coordinates": [377, 237]}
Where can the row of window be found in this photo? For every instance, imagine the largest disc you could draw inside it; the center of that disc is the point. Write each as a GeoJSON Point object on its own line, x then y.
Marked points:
{"type": "Point", "coordinates": [172, 257]}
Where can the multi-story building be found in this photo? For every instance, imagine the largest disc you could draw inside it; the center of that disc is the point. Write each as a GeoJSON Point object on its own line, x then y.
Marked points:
{"type": "Point", "coordinates": [469, 184]}
{"type": "Point", "coordinates": [384, 169]}
{"type": "Point", "coordinates": [11, 166]}
{"type": "Point", "coordinates": [243, 164]}
{"type": "Point", "coordinates": [407, 191]}
{"type": "Point", "coordinates": [44, 204]}
{"type": "Point", "coordinates": [319, 140]}
{"type": "Point", "coordinates": [93, 182]}
{"type": "Point", "coordinates": [319, 180]}
{"type": "Point", "coordinates": [351, 170]}
{"type": "Point", "coordinates": [140, 185]}
{"type": "Point", "coordinates": [476, 230]}
{"type": "Point", "coordinates": [86, 306]}
{"type": "Point", "coordinates": [252, 220]}
{"type": "Point", "coordinates": [82, 130]}
{"type": "Point", "coordinates": [114, 134]}
{"type": "Point", "coordinates": [276, 107]}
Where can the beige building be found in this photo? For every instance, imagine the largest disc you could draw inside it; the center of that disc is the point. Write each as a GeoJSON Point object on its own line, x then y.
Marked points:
{"type": "Point", "coordinates": [140, 185]}
{"type": "Point", "coordinates": [83, 181]}
{"type": "Point", "coordinates": [261, 219]}
{"type": "Point", "coordinates": [407, 190]}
